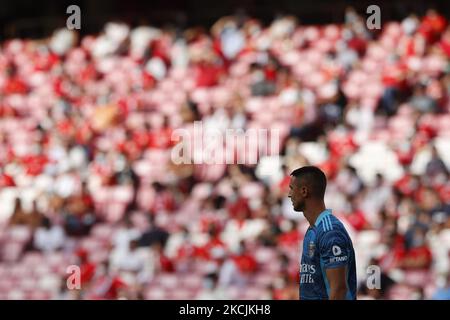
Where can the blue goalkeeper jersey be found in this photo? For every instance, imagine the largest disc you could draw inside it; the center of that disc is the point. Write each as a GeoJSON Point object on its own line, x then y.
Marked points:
{"type": "Point", "coordinates": [326, 245]}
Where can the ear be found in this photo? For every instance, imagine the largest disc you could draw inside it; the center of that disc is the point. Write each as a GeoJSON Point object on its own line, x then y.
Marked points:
{"type": "Point", "coordinates": [304, 191]}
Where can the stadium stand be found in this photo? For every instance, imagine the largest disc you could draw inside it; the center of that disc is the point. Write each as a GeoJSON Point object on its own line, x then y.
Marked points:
{"type": "Point", "coordinates": [86, 176]}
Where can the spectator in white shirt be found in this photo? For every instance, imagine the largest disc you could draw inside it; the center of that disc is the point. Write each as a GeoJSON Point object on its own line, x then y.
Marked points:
{"type": "Point", "coordinates": [135, 261]}
{"type": "Point", "coordinates": [49, 237]}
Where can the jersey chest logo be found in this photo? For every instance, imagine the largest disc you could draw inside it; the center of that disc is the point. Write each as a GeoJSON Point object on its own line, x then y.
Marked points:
{"type": "Point", "coordinates": [311, 249]}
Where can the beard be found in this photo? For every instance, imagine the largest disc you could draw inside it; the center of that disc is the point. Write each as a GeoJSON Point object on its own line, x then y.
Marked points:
{"type": "Point", "coordinates": [299, 207]}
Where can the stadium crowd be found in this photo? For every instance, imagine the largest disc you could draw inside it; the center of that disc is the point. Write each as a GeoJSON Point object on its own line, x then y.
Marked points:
{"type": "Point", "coordinates": [86, 176]}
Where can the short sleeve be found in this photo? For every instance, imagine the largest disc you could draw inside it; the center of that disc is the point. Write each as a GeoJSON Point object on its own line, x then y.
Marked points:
{"type": "Point", "coordinates": [334, 249]}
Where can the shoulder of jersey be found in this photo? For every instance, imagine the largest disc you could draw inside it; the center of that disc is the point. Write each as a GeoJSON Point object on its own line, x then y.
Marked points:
{"type": "Point", "coordinates": [327, 224]}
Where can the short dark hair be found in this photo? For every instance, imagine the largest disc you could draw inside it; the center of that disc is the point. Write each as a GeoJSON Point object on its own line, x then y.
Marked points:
{"type": "Point", "coordinates": [314, 178]}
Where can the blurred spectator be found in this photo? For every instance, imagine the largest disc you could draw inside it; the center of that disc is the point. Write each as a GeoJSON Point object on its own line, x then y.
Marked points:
{"type": "Point", "coordinates": [106, 285]}
{"type": "Point", "coordinates": [134, 260]}
{"type": "Point", "coordinates": [153, 235]}
{"type": "Point", "coordinates": [417, 254]}
{"type": "Point", "coordinates": [237, 268]}
{"type": "Point", "coordinates": [436, 165]}
{"type": "Point", "coordinates": [87, 268]}
{"type": "Point", "coordinates": [375, 293]}
{"type": "Point", "coordinates": [49, 237]}
{"type": "Point", "coordinates": [32, 219]}
{"type": "Point", "coordinates": [211, 290]}
{"type": "Point", "coordinates": [432, 25]}
{"type": "Point", "coordinates": [421, 101]}
{"type": "Point", "coordinates": [19, 216]}
{"type": "Point", "coordinates": [444, 292]}
{"type": "Point", "coordinates": [78, 217]}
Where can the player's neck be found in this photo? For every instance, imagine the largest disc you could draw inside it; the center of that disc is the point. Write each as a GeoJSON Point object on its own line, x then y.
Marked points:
{"type": "Point", "coordinates": [313, 211]}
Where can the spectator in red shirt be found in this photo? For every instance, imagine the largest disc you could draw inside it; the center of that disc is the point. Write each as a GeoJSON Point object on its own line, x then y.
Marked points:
{"type": "Point", "coordinates": [432, 25]}
{"type": "Point", "coordinates": [417, 255]}
{"type": "Point", "coordinates": [6, 180]}
{"type": "Point", "coordinates": [107, 286]}
{"type": "Point", "coordinates": [290, 238]}
{"type": "Point", "coordinates": [164, 200]}
{"type": "Point", "coordinates": [244, 261]}
{"type": "Point", "coordinates": [356, 216]}
{"type": "Point", "coordinates": [207, 74]}
{"type": "Point", "coordinates": [14, 84]}
{"type": "Point", "coordinates": [445, 42]}
{"type": "Point", "coordinates": [87, 268]}
{"type": "Point", "coordinates": [165, 263]}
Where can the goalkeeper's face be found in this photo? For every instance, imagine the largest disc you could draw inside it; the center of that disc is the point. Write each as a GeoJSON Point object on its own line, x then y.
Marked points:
{"type": "Point", "coordinates": [297, 193]}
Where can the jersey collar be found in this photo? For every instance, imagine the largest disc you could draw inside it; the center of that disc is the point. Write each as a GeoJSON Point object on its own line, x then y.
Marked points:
{"type": "Point", "coordinates": [322, 216]}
